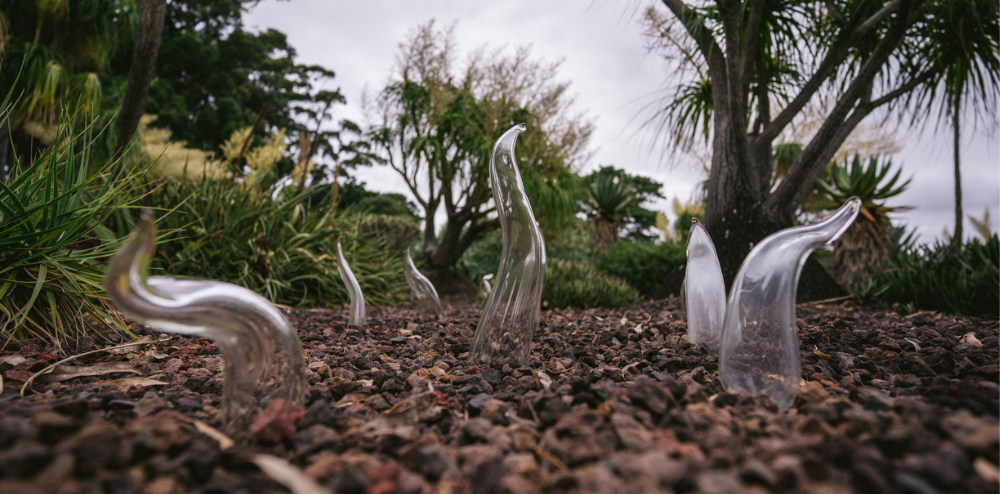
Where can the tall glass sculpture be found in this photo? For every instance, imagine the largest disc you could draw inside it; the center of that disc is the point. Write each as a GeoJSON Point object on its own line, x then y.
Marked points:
{"type": "Point", "coordinates": [760, 344]}
{"type": "Point", "coordinates": [261, 350]}
{"type": "Point", "coordinates": [704, 289]}
{"type": "Point", "coordinates": [484, 285]}
{"type": "Point", "coordinates": [423, 290]}
{"type": "Point", "coordinates": [357, 314]}
{"type": "Point", "coordinates": [510, 316]}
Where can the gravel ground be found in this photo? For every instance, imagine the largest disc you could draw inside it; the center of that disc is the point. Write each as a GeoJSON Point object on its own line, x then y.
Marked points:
{"type": "Point", "coordinates": [612, 401]}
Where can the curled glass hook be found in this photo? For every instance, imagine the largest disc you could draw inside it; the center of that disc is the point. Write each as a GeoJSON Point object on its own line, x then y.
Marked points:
{"type": "Point", "coordinates": [262, 354]}
{"type": "Point", "coordinates": [484, 285]}
{"type": "Point", "coordinates": [704, 289]}
{"type": "Point", "coordinates": [423, 290]}
{"type": "Point", "coordinates": [760, 343]}
{"type": "Point", "coordinates": [510, 316]}
{"type": "Point", "coordinates": [357, 315]}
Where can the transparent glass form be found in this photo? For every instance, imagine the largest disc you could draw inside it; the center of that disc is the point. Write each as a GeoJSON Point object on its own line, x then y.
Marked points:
{"type": "Point", "coordinates": [484, 285]}
{"type": "Point", "coordinates": [760, 343]}
{"type": "Point", "coordinates": [357, 311]}
{"type": "Point", "coordinates": [261, 350]}
{"type": "Point", "coordinates": [423, 290]}
{"type": "Point", "coordinates": [510, 316]}
{"type": "Point", "coordinates": [704, 289]}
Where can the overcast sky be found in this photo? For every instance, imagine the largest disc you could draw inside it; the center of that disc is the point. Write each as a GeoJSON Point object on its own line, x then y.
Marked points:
{"type": "Point", "coordinates": [613, 78]}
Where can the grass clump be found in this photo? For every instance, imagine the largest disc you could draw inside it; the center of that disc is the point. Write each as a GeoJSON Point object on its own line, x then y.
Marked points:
{"type": "Point", "coordinates": [643, 265]}
{"type": "Point", "coordinates": [956, 279]}
{"type": "Point", "coordinates": [52, 242]}
{"type": "Point", "coordinates": [274, 244]}
{"type": "Point", "coordinates": [580, 285]}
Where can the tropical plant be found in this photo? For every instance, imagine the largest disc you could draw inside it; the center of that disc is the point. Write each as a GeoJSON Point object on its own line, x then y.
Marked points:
{"type": "Point", "coordinates": [861, 252]}
{"type": "Point", "coordinates": [766, 62]}
{"type": "Point", "coordinates": [52, 242]}
{"type": "Point", "coordinates": [614, 200]}
{"type": "Point", "coordinates": [964, 38]}
{"type": "Point", "coordinates": [958, 279]}
{"type": "Point", "coordinates": [435, 126]}
{"type": "Point", "coordinates": [636, 261]}
{"type": "Point", "coordinates": [983, 226]}
{"type": "Point", "coordinates": [580, 285]}
{"type": "Point", "coordinates": [268, 242]}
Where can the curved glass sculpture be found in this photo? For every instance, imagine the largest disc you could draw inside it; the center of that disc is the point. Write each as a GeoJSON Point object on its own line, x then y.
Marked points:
{"type": "Point", "coordinates": [484, 285]}
{"type": "Point", "coordinates": [704, 289]}
{"type": "Point", "coordinates": [510, 316]}
{"type": "Point", "coordinates": [357, 314]}
{"type": "Point", "coordinates": [262, 354]}
{"type": "Point", "coordinates": [760, 343]}
{"type": "Point", "coordinates": [423, 290]}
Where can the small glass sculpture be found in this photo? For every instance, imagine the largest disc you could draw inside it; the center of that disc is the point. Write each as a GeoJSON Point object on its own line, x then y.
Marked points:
{"type": "Point", "coordinates": [261, 350]}
{"type": "Point", "coordinates": [704, 289]}
{"type": "Point", "coordinates": [423, 290]}
{"type": "Point", "coordinates": [760, 343]}
{"type": "Point", "coordinates": [357, 315]}
{"type": "Point", "coordinates": [510, 316]}
{"type": "Point", "coordinates": [484, 285]}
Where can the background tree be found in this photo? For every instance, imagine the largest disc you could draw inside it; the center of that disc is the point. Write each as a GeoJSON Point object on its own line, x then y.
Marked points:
{"type": "Point", "coordinates": [965, 37]}
{"type": "Point", "coordinates": [767, 61]}
{"type": "Point", "coordinates": [147, 45]}
{"type": "Point", "coordinates": [434, 125]}
{"type": "Point", "coordinates": [56, 56]}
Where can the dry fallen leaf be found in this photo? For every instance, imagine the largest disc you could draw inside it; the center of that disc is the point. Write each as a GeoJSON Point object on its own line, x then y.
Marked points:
{"type": "Point", "coordinates": [66, 373]}
{"type": "Point", "coordinates": [987, 470]}
{"type": "Point", "coordinates": [543, 378]}
{"type": "Point", "coordinates": [915, 342]}
{"type": "Point", "coordinates": [49, 369]}
{"type": "Point", "coordinates": [820, 354]}
{"type": "Point", "coordinates": [350, 399]}
{"type": "Point", "coordinates": [288, 475]}
{"type": "Point", "coordinates": [971, 340]}
{"type": "Point", "coordinates": [14, 359]}
{"type": "Point", "coordinates": [128, 382]}
{"type": "Point", "coordinates": [624, 321]}
{"type": "Point", "coordinates": [401, 420]}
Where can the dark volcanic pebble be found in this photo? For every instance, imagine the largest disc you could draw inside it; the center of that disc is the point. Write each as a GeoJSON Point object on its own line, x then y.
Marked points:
{"type": "Point", "coordinates": [611, 401]}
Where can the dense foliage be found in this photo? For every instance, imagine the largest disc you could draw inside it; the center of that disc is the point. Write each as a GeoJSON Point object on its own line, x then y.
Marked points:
{"type": "Point", "coordinates": [642, 264]}
{"type": "Point", "coordinates": [958, 279]}
{"type": "Point", "coordinates": [581, 285]}
{"type": "Point", "coordinates": [278, 248]}
{"type": "Point", "coordinates": [52, 242]}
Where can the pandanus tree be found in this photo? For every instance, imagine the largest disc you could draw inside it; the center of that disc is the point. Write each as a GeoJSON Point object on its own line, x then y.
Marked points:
{"type": "Point", "coordinates": [614, 199]}
{"type": "Point", "coordinates": [759, 64]}
{"type": "Point", "coordinates": [965, 38]}
{"type": "Point", "coordinates": [435, 125]}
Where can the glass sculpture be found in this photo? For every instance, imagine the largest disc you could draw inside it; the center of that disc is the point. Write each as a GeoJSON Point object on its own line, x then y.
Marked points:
{"type": "Point", "coordinates": [484, 285]}
{"type": "Point", "coordinates": [262, 354]}
{"type": "Point", "coordinates": [423, 290]}
{"type": "Point", "coordinates": [704, 289]}
{"type": "Point", "coordinates": [510, 316]}
{"type": "Point", "coordinates": [357, 315]}
{"type": "Point", "coordinates": [760, 343]}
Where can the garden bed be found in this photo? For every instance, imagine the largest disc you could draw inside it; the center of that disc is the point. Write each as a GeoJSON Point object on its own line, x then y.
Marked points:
{"type": "Point", "coordinates": [612, 401]}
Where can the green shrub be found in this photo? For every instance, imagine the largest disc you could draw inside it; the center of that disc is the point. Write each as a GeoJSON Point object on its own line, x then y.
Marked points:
{"type": "Point", "coordinates": [644, 265]}
{"type": "Point", "coordinates": [577, 284]}
{"type": "Point", "coordinates": [959, 279]}
{"type": "Point", "coordinates": [274, 246]}
{"type": "Point", "coordinates": [52, 242]}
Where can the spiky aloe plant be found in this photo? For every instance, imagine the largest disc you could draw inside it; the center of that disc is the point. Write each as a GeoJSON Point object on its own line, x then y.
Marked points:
{"type": "Point", "coordinates": [52, 243]}
{"type": "Point", "coordinates": [864, 248]}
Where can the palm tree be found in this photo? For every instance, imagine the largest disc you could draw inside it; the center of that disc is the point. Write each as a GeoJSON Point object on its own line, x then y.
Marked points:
{"type": "Point", "coordinates": [964, 37]}
{"type": "Point", "coordinates": [608, 202]}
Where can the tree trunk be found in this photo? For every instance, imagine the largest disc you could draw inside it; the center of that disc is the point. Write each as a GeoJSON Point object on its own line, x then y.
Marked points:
{"type": "Point", "coordinates": [147, 46]}
{"type": "Point", "coordinates": [956, 239]}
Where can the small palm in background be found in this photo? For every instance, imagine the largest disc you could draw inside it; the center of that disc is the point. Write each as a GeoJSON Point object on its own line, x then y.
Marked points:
{"type": "Point", "coordinates": [864, 248]}
{"type": "Point", "coordinates": [608, 202]}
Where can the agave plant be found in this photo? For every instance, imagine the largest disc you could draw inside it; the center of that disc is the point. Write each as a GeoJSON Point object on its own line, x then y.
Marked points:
{"type": "Point", "coordinates": [864, 248]}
